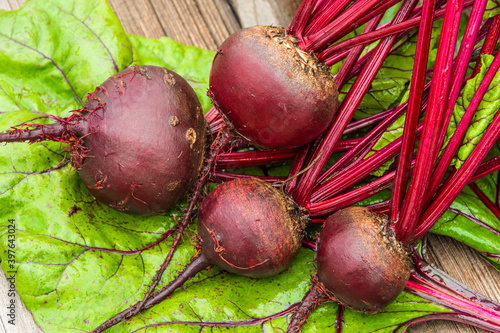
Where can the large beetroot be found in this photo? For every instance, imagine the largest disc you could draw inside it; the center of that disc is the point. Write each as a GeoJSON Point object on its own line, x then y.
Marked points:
{"type": "Point", "coordinates": [138, 142]}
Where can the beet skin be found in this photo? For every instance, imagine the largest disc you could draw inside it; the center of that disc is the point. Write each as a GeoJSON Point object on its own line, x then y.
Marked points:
{"type": "Point", "coordinates": [247, 227]}
{"type": "Point", "coordinates": [272, 92]}
{"type": "Point", "coordinates": [360, 261]}
{"type": "Point", "coordinates": [145, 148]}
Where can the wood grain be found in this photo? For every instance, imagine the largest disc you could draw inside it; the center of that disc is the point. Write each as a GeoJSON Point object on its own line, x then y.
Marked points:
{"type": "Point", "coordinates": [206, 23]}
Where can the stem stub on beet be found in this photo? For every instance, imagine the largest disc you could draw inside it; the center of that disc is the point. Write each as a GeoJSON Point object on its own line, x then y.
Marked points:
{"type": "Point", "coordinates": [360, 261]}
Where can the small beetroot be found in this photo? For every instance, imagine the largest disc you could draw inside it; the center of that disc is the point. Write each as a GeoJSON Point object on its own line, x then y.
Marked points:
{"type": "Point", "coordinates": [248, 227]}
{"type": "Point", "coordinates": [360, 261]}
{"type": "Point", "coordinates": [138, 142]}
{"type": "Point", "coordinates": [245, 226]}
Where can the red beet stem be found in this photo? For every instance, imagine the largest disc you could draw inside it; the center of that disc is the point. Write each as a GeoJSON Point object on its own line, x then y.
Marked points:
{"type": "Point", "coordinates": [371, 136]}
{"type": "Point", "coordinates": [231, 160]}
{"type": "Point", "coordinates": [298, 162]}
{"type": "Point", "coordinates": [462, 60]}
{"type": "Point", "coordinates": [197, 264]}
{"type": "Point", "coordinates": [487, 168]}
{"type": "Point", "coordinates": [485, 200]}
{"type": "Point", "coordinates": [347, 199]}
{"type": "Point", "coordinates": [325, 14]}
{"type": "Point", "coordinates": [212, 115]}
{"type": "Point", "coordinates": [414, 102]}
{"type": "Point", "coordinates": [354, 55]}
{"type": "Point", "coordinates": [489, 42]}
{"type": "Point", "coordinates": [359, 13]}
{"type": "Point", "coordinates": [347, 109]}
{"type": "Point", "coordinates": [337, 184]}
{"type": "Point", "coordinates": [455, 185]}
{"type": "Point", "coordinates": [301, 17]}
{"type": "Point", "coordinates": [368, 121]}
{"type": "Point", "coordinates": [431, 134]}
{"type": "Point", "coordinates": [383, 31]}
{"type": "Point", "coordinates": [221, 177]}
{"type": "Point", "coordinates": [352, 197]}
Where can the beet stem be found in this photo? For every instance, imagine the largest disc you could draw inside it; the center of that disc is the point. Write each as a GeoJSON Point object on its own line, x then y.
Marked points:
{"type": "Point", "coordinates": [346, 22]}
{"type": "Point", "coordinates": [369, 37]}
{"type": "Point", "coordinates": [347, 199]}
{"type": "Point", "coordinates": [196, 265]}
{"type": "Point", "coordinates": [232, 160]}
{"type": "Point", "coordinates": [339, 183]}
{"type": "Point", "coordinates": [414, 102]}
{"type": "Point", "coordinates": [455, 185]}
{"type": "Point", "coordinates": [301, 17]}
{"type": "Point", "coordinates": [325, 14]}
{"type": "Point", "coordinates": [371, 136]}
{"type": "Point", "coordinates": [312, 298]}
{"type": "Point", "coordinates": [461, 130]}
{"type": "Point", "coordinates": [347, 109]}
{"type": "Point", "coordinates": [221, 177]}
{"type": "Point", "coordinates": [354, 54]}
{"type": "Point", "coordinates": [486, 201]}
{"type": "Point", "coordinates": [431, 134]}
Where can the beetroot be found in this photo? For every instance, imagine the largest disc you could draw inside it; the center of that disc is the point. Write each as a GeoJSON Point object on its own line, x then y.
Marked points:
{"type": "Point", "coordinates": [272, 92]}
{"type": "Point", "coordinates": [138, 143]}
{"type": "Point", "coordinates": [246, 227]}
{"type": "Point", "coordinates": [360, 261]}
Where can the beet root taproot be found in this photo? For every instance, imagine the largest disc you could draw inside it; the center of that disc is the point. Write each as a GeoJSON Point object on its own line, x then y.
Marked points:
{"type": "Point", "coordinates": [138, 143]}
{"type": "Point", "coordinates": [273, 93]}
{"type": "Point", "coordinates": [360, 261]}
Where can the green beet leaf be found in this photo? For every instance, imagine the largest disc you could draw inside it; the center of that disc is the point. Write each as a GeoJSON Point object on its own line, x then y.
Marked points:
{"type": "Point", "coordinates": [492, 8]}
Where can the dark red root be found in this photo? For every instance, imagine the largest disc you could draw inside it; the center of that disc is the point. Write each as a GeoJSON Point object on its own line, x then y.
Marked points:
{"type": "Point", "coordinates": [360, 261]}
{"type": "Point", "coordinates": [275, 94]}
{"type": "Point", "coordinates": [146, 152]}
{"type": "Point", "coordinates": [137, 143]}
{"type": "Point", "coordinates": [197, 264]}
{"type": "Point", "coordinates": [314, 297]}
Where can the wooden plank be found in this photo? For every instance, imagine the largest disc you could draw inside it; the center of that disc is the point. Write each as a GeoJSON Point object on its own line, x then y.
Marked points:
{"type": "Point", "coordinates": [203, 23]}
{"type": "Point", "coordinates": [258, 12]}
{"type": "Point", "coordinates": [11, 4]}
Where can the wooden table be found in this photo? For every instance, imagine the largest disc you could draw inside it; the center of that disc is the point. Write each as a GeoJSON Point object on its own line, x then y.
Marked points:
{"type": "Point", "coordinates": [206, 23]}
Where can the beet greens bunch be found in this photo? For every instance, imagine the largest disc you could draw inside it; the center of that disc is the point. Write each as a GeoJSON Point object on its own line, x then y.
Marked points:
{"type": "Point", "coordinates": [365, 258]}
{"type": "Point", "coordinates": [276, 101]}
